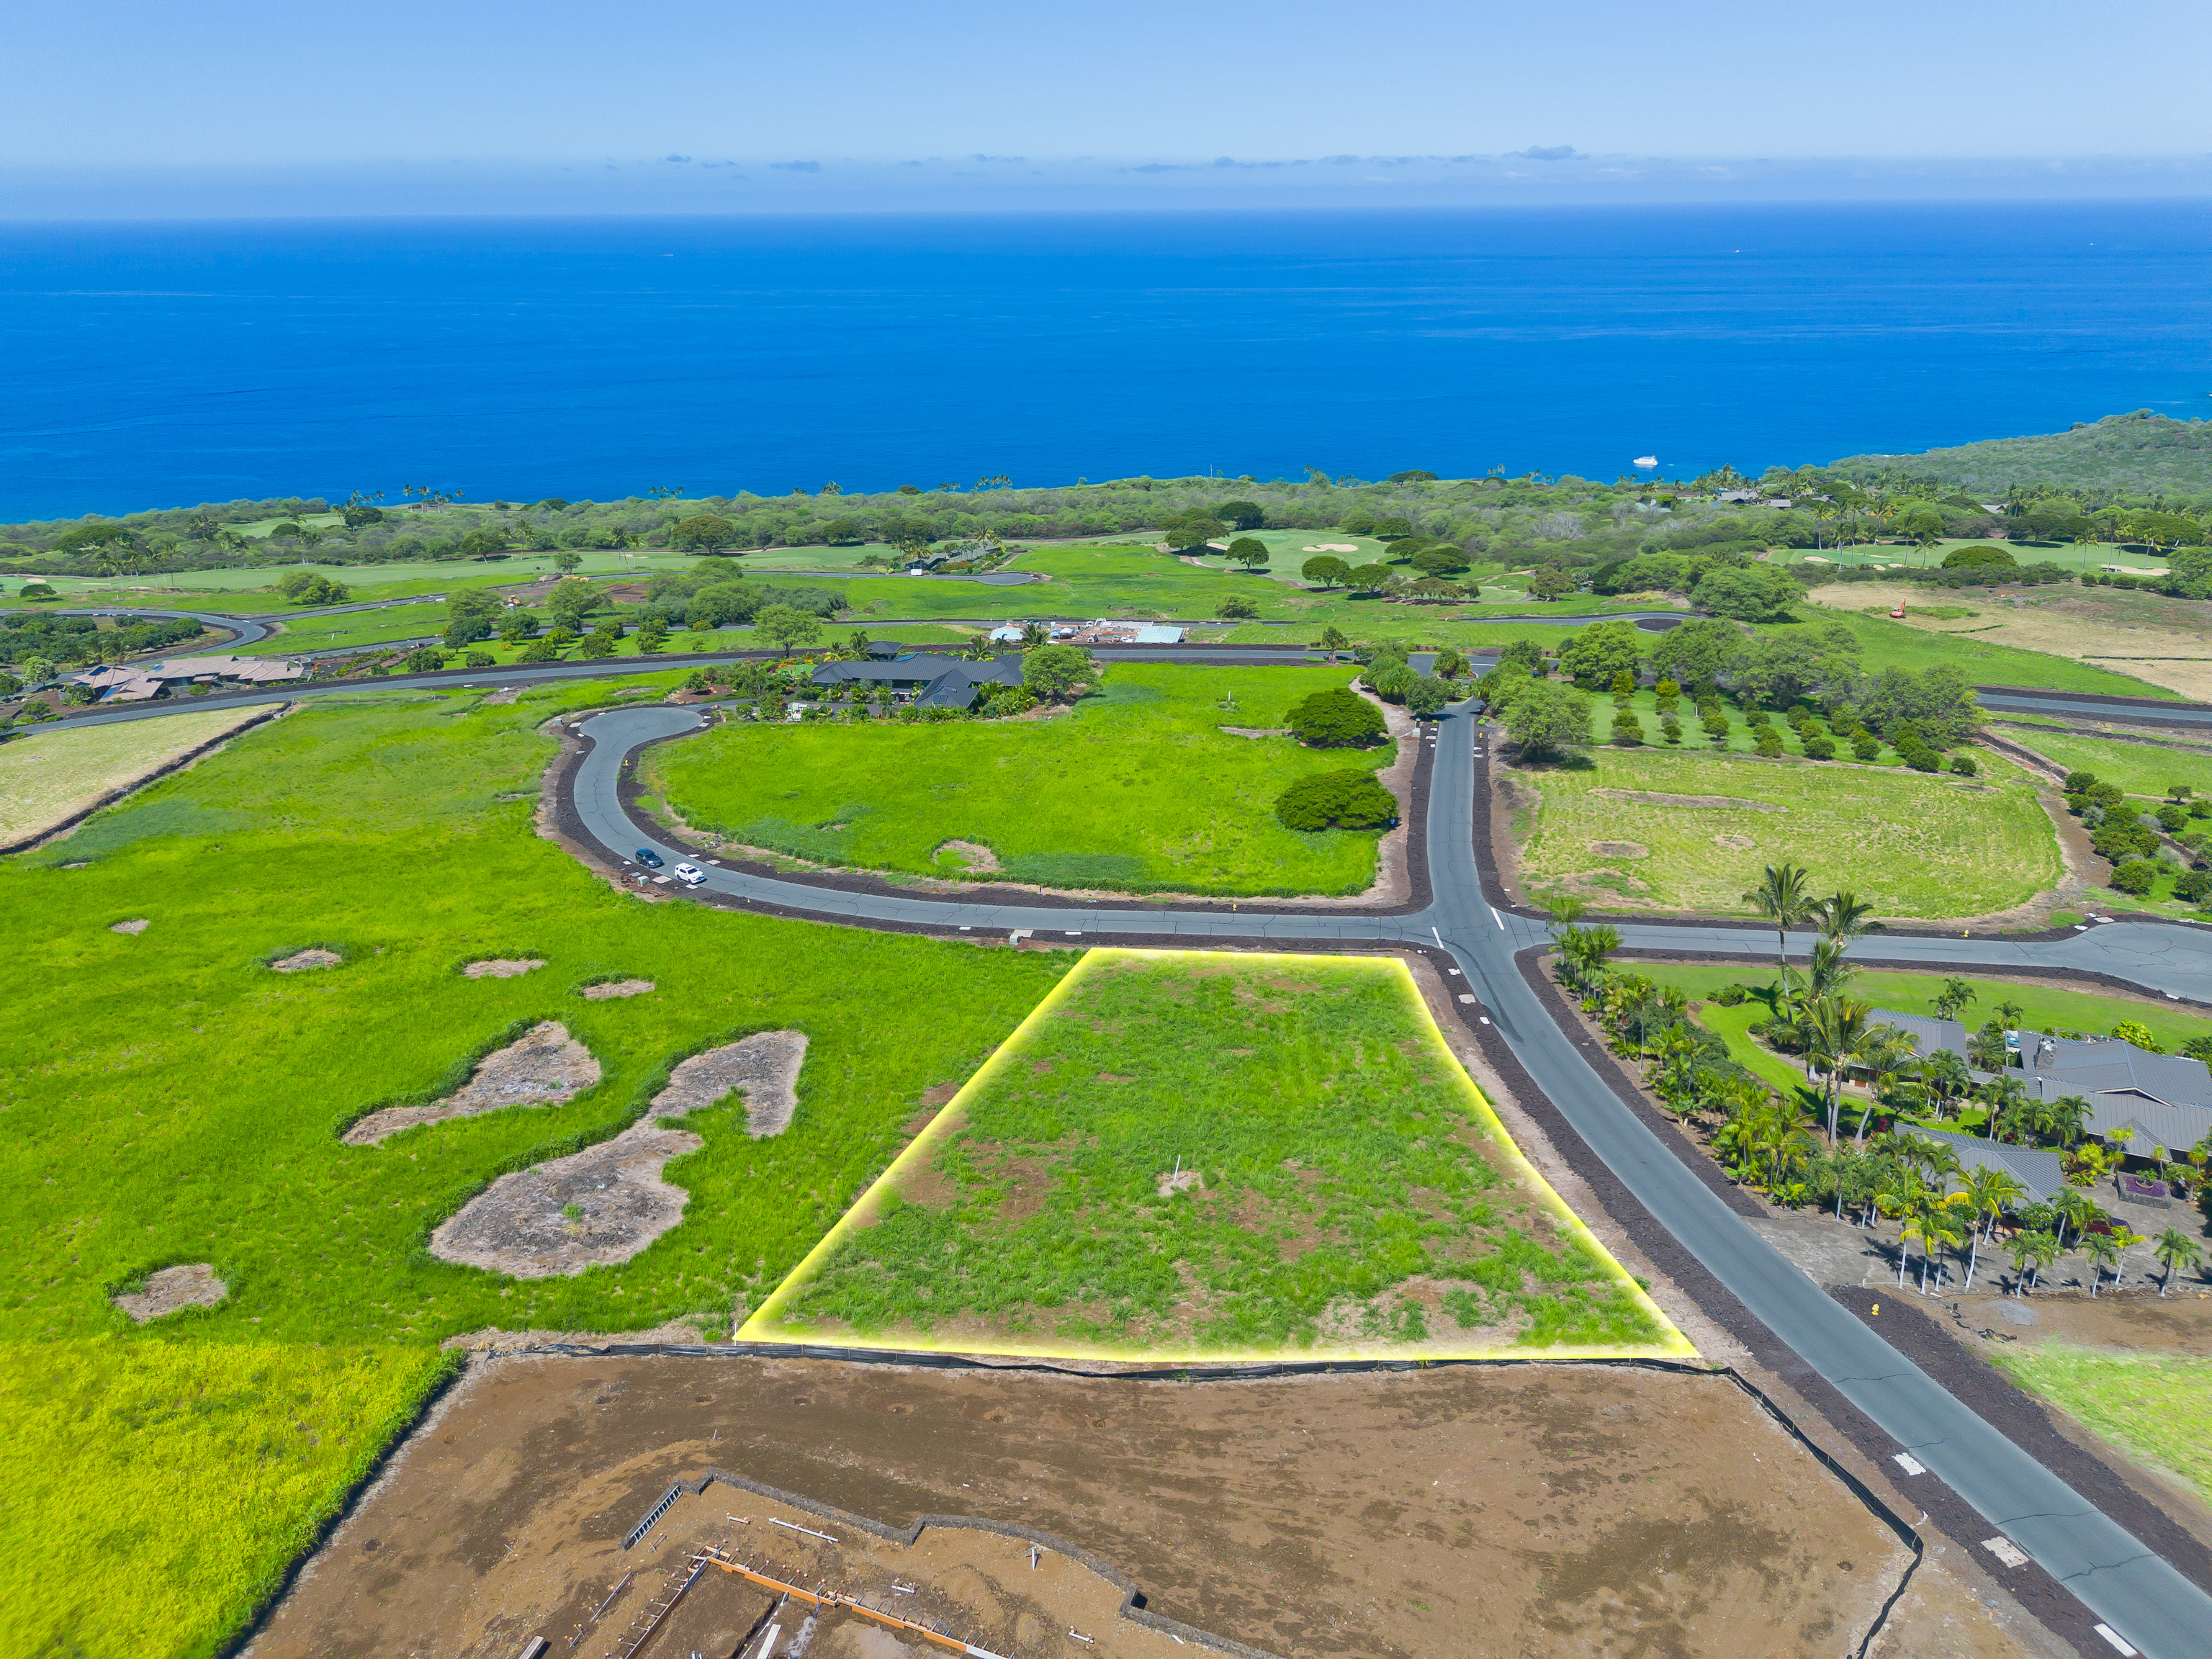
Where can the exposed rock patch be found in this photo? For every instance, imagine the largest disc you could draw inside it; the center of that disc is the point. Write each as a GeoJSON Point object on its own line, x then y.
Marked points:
{"type": "Point", "coordinates": [135, 924]}
{"type": "Point", "coordinates": [502, 967]}
{"type": "Point", "coordinates": [1620, 850]}
{"type": "Point", "coordinates": [191, 1285]}
{"type": "Point", "coordinates": [1170, 1181]}
{"type": "Point", "coordinates": [1741, 843]}
{"type": "Point", "coordinates": [765, 1065]}
{"type": "Point", "coordinates": [606, 1203]}
{"type": "Point", "coordinates": [617, 987]}
{"type": "Point", "coordinates": [505, 694]}
{"type": "Point", "coordinates": [968, 855]}
{"type": "Point", "coordinates": [300, 961]}
{"type": "Point", "coordinates": [543, 1068]}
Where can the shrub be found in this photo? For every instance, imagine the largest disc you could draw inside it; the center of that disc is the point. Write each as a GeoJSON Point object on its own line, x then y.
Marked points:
{"type": "Point", "coordinates": [1716, 726]}
{"type": "Point", "coordinates": [1731, 996]}
{"type": "Point", "coordinates": [1666, 688]}
{"type": "Point", "coordinates": [1627, 730]}
{"type": "Point", "coordinates": [1768, 742]}
{"type": "Point", "coordinates": [1427, 695]}
{"type": "Point", "coordinates": [1389, 681]}
{"type": "Point", "coordinates": [1920, 758]}
{"type": "Point", "coordinates": [1337, 719]}
{"type": "Point", "coordinates": [2134, 1031]}
{"type": "Point", "coordinates": [1820, 748]}
{"type": "Point", "coordinates": [479, 660]}
{"type": "Point", "coordinates": [1979, 555]}
{"type": "Point", "coordinates": [2136, 876]}
{"type": "Point", "coordinates": [2194, 885]}
{"type": "Point", "coordinates": [1624, 685]}
{"type": "Point", "coordinates": [1546, 718]}
{"type": "Point", "coordinates": [2080, 783]}
{"type": "Point", "coordinates": [1671, 729]}
{"type": "Point", "coordinates": [2171, 818]}
{"type": "Point", "coordinates": [1337, 801]}
{"type": "Point", "coordinates": [1236, 604]}
{"type": "Point", "coordinates": [425, 659]}
{"type": "Point", "coordinates": [539, 651]}
{"type": "Point", "coordinates": [1965, 765]}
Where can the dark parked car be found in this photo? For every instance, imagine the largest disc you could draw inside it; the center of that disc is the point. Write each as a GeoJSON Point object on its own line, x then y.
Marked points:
{"type": "Point", "coordinates": [649, 858]}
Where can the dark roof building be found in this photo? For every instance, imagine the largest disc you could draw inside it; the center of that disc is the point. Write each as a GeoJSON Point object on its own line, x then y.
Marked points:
{"type": "Point", "coordinates": [937, 681]}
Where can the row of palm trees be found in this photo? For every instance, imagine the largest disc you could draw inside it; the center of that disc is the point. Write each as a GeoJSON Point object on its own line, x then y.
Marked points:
{"type": "Point", "coordinates": [1910, 1178]}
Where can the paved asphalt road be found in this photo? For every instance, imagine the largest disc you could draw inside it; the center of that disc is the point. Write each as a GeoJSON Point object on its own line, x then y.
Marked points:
{"type": "Point", "coordinates": [248, 630]}
{"type": "Point", "coordinates": [2131, 1589]}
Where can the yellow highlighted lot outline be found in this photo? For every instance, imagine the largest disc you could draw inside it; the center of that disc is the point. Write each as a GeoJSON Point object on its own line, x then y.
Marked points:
{"type": "Point", "coordinates": [769, 1323]}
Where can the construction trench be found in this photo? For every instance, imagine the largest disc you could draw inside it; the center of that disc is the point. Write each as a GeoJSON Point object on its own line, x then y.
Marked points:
{"type": "Point", "coordinates": [662, 1505]}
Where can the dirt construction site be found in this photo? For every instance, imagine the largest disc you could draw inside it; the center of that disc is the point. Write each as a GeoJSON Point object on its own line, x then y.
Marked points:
{"type": "Point", "coordinates": [677, 1505]}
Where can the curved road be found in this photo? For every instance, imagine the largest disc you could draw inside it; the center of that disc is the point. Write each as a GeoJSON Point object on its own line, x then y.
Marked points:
{"type": "Point", "coordinates": [2125, 1584]}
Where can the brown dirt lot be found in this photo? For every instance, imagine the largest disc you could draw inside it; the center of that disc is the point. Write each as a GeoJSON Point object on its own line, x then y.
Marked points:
{"type": "Point", "coordinates": [2146, 635]}
{"type": "Point", "coordinates": [1531, 1510]}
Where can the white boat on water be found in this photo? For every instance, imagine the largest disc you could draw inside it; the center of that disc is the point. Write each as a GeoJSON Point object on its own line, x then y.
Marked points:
{"type": "Point", "coordinates": [1647, 460]}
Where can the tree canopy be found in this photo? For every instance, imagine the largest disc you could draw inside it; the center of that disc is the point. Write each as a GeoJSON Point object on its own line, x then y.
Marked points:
{"type": "Point", "coordinates": [1349, 800]}
{"type": "Point", "coordinates": [1337, 719]}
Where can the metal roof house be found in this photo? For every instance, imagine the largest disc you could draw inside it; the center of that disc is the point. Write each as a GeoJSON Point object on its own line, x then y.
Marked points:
{"type": "Point", "coordinates": [2043, 1173]}
{"type": "Point", "coordinates": [936, 682]}
{"type": "Point", "coordinates": [136, 682]}
{"type": "Point", "coordinates": [2163, 1100]}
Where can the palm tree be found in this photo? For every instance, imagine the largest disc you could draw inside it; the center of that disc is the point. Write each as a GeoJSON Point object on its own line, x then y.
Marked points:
{"type": "Point", "coordinates": [1829, 971]}
{"type": "Point", "coordinates": [2077, 1208]}
{"type": "Point", "coordinates": [1841, 1035]}
{"type": "Point", "coordinates": [1842, 916]}
{"type": "Point", "coordinates": [1888, 1063]}
{"type": "Point", "coordinates": [1783, 899]}
{"type": "Point", "coordinates": [2103, 1251]}
{"type": "Point", "coordinates": [2067, 1117]}
{"type": "Point", "coordinates": [1955, 994]}
{"type": "Point", "coordinates": [1989, 1191]}
{"type": "Point", "coordinates": [2173, 1247]}
{"type": "Point", "coordinates": [1939, 1230]}
{"type": "Point", "coordinates": [2030, 1252]}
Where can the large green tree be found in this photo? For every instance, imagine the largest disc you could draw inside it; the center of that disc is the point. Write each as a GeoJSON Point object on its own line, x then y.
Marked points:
{"type": "Point", "coordinates": [1054, 673]}
{"type": "Point", "coordinates": [1759, 592]}
{"type": "Point", "coordinates": [1545, 718]}
{"type": "Point", "coordinates": [1594, 654]}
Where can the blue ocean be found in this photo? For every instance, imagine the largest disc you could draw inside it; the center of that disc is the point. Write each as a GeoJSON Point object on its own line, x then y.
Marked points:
{"type": "Point", "coordinates": [162, 364]}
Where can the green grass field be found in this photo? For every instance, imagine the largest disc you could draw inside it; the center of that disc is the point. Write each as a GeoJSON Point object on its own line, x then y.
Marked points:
{"type": "Point", "coordinates": [171, 1100]}
{"type": "Point", "coordinates": [1187, 1153]}
{"type": "Point", "coordinates": [2044, 1006]}
{"type": "Point", "coordinates": [207, 1467]}
{"type": "Point", "coordinates": [2157, 1408]}
{"type": "Point", "coordinates": [305, 635]}
{"type": "Point", "coordinates": [1135, 788]}
{"type": "Point", "coordinates": [1885, 644]}
{"type": "Point", "coordinates": [46, 775]}
{"type": "Point", "coordinates": [2141, 768]}
{"type": "Point", "coordinates": [1914, 845]}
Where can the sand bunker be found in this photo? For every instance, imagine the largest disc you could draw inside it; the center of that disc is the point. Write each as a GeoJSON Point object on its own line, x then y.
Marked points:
{"type": "Point", "coordinates": [137, 925]}
{"type": "Point", "coordinates": [192, 1285]}
{"type": "Point", "coordinates": [1333, 547]}
{"type": "Point", "coordinates": [300, 961]}
{"type": "Point", "coordinates": [606, 1203]}
{"type": "Point", "coordinates": [617, 987]}
{"type": "Point", "coordinates": [502, 967]}
{"type": "Point", "coordinates": [543, 1068]}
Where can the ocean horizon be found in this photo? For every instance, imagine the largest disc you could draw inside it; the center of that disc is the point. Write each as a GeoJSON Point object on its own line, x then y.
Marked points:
{"type": "Point", "coordinates": [163, 364]}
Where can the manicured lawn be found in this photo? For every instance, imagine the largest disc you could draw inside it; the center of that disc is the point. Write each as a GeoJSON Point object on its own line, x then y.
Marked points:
{"type": "Point", "coordinates": [2141, 768]}
{"type": "Point", "coordinates": [46, 775]}
{"type": "Point", "coordinates": [1185, 1154]}
{"type": "Point", "coordinates": [1136, 788]}
{"type": "Point", "coordinates": [158, 1490]}
{"type": "Point", "coordinates": [304, 635]}
{"type": "Point", "coordinates": [1884, 643]}
{"type": "Point", "coordinates": [2044, 1006]}
{"type": "Point", "coordinates": [171, 1100]}
{"type": "Point", "coordinates": [1913, 844]}
{"type": "Point", "coordinates": [2157, 1408]}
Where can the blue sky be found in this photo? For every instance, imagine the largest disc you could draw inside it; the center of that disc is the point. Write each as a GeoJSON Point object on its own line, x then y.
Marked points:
{"type": "Point", "coordinates": [990, 97]}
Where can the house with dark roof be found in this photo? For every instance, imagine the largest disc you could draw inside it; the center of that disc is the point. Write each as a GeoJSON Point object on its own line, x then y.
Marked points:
{"type": "Point", "coordinates": [932, 680]}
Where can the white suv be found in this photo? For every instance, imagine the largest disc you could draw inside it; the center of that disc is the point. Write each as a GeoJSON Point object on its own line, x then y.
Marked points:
{"type": "Point", "coordinates": [690, 874]}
